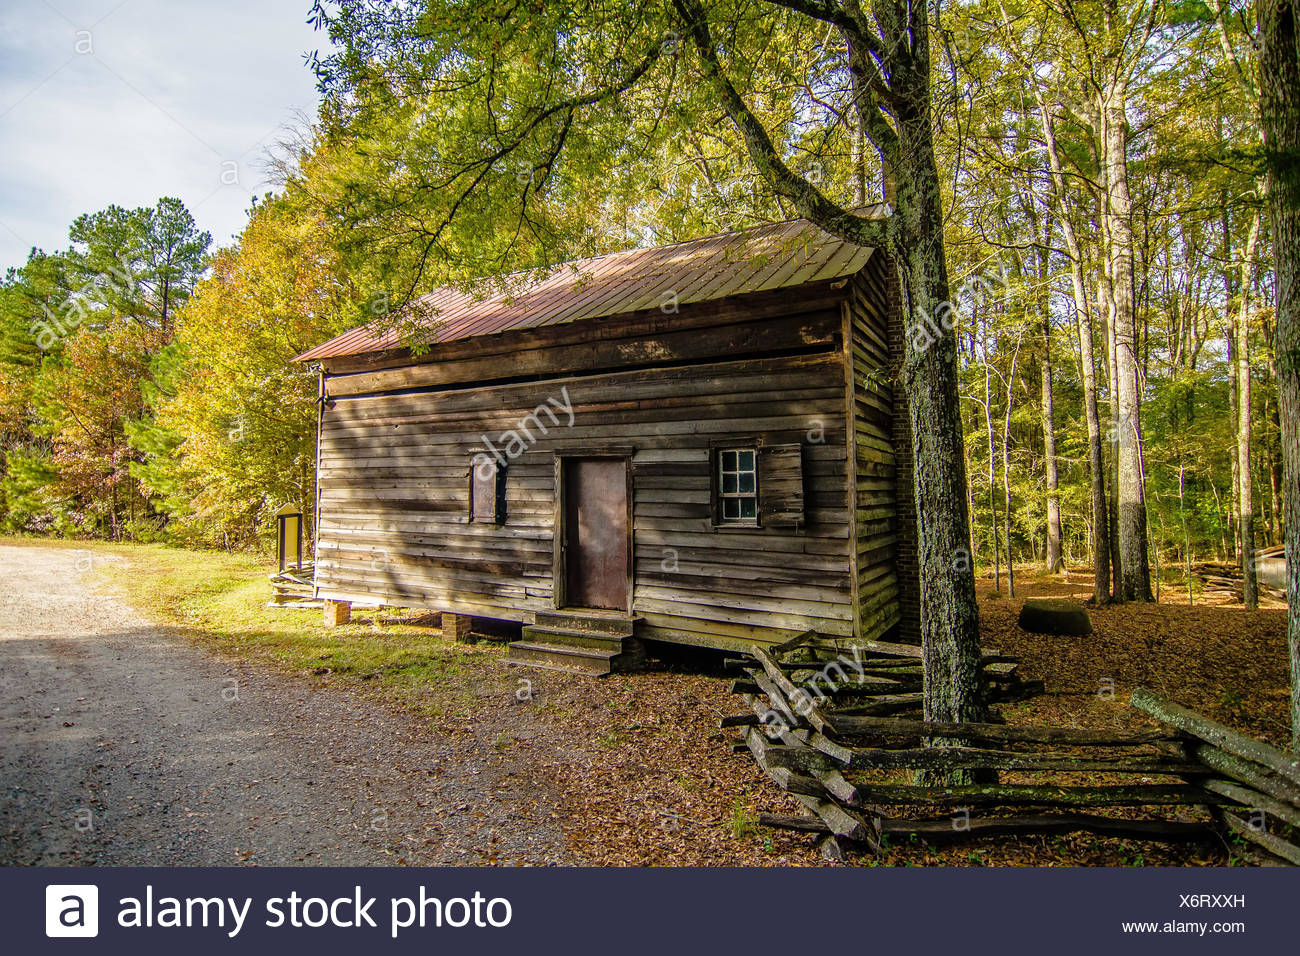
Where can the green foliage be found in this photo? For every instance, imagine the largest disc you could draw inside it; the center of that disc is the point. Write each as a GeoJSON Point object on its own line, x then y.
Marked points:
{"type": "Point", "coordinates": [28, 495]}
{"type": "Point", "coordinates": [234, 434]}
{"type": "Point", "coordinates": [465, 140]}
{"type": "Point", "coordinates": [1192, 173]}
{"type": "Point", "coordinates": [80, 329]}
{"type": "Point", "coordinates": [140, 264]}
{"type": "Point", "coordinates": [158, 446]}
{"type": "Point", "coordinates": [469, 140]}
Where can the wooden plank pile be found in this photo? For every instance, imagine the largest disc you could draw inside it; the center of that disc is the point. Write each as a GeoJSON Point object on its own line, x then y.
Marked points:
{"type": "Point", "coordinates": [293, 587]}
{"type": "Point", "coordinates": [1250, 775]}
{"type": "Point", "coordinates": [833, 726]}
{"type": "Point", "coordinates": [1225, 581]}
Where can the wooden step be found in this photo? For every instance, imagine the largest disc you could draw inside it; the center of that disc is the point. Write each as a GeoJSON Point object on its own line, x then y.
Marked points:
{"type": "Point", "coordinates": [539, 634]}
{"type": "Point", "coordinates": [603, 622]}
{"type": "Point", "coordinates": [586, 660]}
{"type": "Point", "coordinates": [577, 659]}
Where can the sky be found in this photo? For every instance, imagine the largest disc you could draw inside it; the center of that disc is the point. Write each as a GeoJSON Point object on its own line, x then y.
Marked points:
{"type": "Point", "coordinates": [124, 101]}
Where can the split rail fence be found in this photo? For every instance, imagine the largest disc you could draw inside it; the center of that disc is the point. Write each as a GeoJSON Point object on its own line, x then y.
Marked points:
{"type": "Point", "coordinates": [838, 728]}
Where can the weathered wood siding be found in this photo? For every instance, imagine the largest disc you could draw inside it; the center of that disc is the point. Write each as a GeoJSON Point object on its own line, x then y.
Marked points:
{"type": "Point", "coordinates": [396, 445]}
{"type": "Point", "coordinates": [877, 516]}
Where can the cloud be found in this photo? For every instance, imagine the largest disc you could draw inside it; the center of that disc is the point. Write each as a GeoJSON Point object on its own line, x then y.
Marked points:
{"type": "Point", "coordinates": [104, 101]}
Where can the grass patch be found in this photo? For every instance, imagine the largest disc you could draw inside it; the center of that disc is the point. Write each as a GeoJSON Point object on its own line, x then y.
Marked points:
{"type": "Point", "coordinates": [220, 599]}
{"type": "Point", "coordinates": [743, 821]}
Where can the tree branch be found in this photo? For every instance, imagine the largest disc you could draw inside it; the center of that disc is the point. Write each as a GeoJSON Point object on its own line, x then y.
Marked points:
{"type": "Point", "coordinates": [811, 203]}
{"type": "Point", "coordinates": [853, 27]}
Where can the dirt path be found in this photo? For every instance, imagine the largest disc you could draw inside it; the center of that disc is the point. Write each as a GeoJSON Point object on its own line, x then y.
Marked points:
{"type": "Point", "coordinates": [123, 744]}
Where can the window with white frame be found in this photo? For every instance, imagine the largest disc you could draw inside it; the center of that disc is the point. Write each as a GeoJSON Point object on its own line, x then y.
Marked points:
{"type": "Point", "coordinates": [737, 488]}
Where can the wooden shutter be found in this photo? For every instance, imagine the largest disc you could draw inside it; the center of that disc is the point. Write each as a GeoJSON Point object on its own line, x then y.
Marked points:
{"type": "Point", "coordinates": [487, 483]}
{"type": "Point", "coordinates": [780, 485]}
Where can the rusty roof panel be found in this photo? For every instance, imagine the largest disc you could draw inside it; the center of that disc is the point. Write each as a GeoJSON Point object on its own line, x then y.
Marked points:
{"type": "Point", "coordinates": [770, 257]}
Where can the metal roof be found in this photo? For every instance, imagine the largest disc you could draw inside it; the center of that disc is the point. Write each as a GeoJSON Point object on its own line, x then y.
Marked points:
{"type": "Point", "coordinates": [768, 257]}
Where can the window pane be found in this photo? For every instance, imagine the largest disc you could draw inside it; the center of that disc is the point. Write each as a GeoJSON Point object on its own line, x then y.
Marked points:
{"type": "Point", "coordinates": [747, 483]}
{"type": "Point", "coordinates": [746, 460]}
{"type": "Point", "coordinates": [728, 461]}
{"type": "Point", "coordinates": [748, 507]}
{"type": "Point", "coordinates": [730, 507]}
{"type": "Point", "coordinates": [728, 483]}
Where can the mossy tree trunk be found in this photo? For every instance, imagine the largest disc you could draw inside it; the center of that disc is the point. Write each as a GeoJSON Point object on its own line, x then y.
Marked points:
{"type": "Point", "coordinates": [1279, 71]}
{"type": "Point", "coordinates": [888, 44]}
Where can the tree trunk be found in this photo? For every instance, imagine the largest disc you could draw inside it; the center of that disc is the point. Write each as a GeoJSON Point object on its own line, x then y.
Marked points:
{"type": "Point", "coordinates": [1274, 470]}
{"type": "Point", "coordinates": [1187, 541]}
{"type": "Point", "coordinates": [899, 64]}
{"type": "Point", "coordinates": [1106, 306]}
{"type": "Point", "coordinates": [1088, 364]}
{"type": "Point", "coordinates": [1230, 348]}
{"type": "Point", "coordinates": [1135, 576]}
{"type": "Point", "coordinates": [1220, 520]}
{"type": "Point", "coordinates": [1249, 590]}
{"type": "Point", "coordinates": [1234, 381]}
{"type": "Point", "coordinates": [1006, 497]}
{"type": "Point", "coordinates": [1053, 563]}
{"type": "Point", "coordinates": [993, 494]}
{"type": "Point", "coordinates": [1096, 461]}
{"type": "Point", "coordinates": [1279, 72]}
{"type": "Point", "coordinates": [1006, 465]}
{"type": "Point", "coordinates": [949, 614]}
{"type": "Point", "coordinates": [858, 160]}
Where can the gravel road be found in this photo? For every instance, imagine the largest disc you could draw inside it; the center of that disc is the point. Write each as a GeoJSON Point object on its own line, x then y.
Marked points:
{"type": "Point", "coordinates": [124, 744]}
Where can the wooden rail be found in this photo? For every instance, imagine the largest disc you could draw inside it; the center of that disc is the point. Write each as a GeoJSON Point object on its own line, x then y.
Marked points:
{"type": "Point", "coordinates": [1249, 775]}
{"type": "Point", "coordinates": [816, 728]}
{"type": "Point", "coordinates": [293, 587]}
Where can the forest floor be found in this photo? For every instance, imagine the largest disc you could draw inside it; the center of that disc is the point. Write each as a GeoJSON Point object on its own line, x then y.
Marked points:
{"type": "Point", "coordinates": [475, 762]}
{"type": "Point", "coordinates": [1207, 653]}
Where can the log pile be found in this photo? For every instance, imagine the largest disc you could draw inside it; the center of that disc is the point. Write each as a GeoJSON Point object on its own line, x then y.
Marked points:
{"type": "Point", "coordinates": [293, 587]}
{"type": "Point", "coordinates": [1250, 775]}
{"type": "Point", "coordinates": [1225, 581]}
{"type": "Point", "coordinates": [837, 729]}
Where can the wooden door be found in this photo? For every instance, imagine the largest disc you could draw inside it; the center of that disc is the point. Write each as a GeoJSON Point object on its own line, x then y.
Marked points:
{"type": "Point", "coordinates": [595, 544]}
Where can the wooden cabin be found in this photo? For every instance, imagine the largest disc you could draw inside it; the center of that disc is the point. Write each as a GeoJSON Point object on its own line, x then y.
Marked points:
{"type": "Point", "coordinates": [697, 443]}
